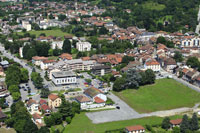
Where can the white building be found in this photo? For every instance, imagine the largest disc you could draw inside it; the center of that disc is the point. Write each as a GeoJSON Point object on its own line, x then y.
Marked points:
{"type": "Point", "coordinates": [32, 107]}
{"type": "Point", "coordinates": [63, 78]}
{"type": "Point", "coordinates": [192, 42]}
{"type": "Point", "coordinates": [46, 63]}
{"type": "Point", "coordinates": [83, 46]}
{"type": "Point", "coordinates": [57, 43]}
{"type": "Point", "coordinates": [152, 64]}
{"type": "Point", "coordinates": [26, 25]}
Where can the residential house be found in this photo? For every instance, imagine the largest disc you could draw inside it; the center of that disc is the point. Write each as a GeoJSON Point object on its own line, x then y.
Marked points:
{"type": "Point", "coordinates": [3, 89]}
{"type": "Point", "coordinates": [170, 64]}
{"type": "Point", "coordinates": [135, 129]}
{"type": "Point", "coordinates": [32, 106]}
{"type": "Point", "coordinates": [54, 101]}
{"type": "Point", "coordinates": [36, 118]}
{"type": "Point", "coordinates": [94, 92]}
{"type": "Point", "coordinates": [176, 122]}
{"type": "Point", "coordinates": [83, 46]}
{"type": "Point", "coordinates": [190, 42]}
{"type": "Point", "coordinates": [64, 78]}
{"type": "Point", "coordinates": [101, 70]}
{"type": "Point", "coordinates": [190, 76]}
{"type": "Point", "coordinates": [44, 108]}
{"type": "Point", "coordinates": [83, 101]}
{"type": "Point", "coordinates": [26, 25]}
{"type": "Point", "coordinates": [65, 56]}
{"type": "Point", "coordinates": [58, 43]}
{"type": "Point", "coordinates": [152, 64]}
{"type": "Point", "coordinates": [36, 60]}
{"type": "Point", "coordinates": [46, 63]}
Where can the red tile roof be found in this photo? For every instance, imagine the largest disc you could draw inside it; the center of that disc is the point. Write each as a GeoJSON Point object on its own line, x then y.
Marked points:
{"type": "Point", "coordinates": [45, 107]}
{"type": "Point", "coordinates": [42, 101]}
{"type": "Point", "coordinates": [176, 122]}
{"type": "Point", "coordinates": [152, 62]}
{"type": "Point", "coordinates": [135, 128]}
{"type": "Point", "coordinates": [49, 61]}
{"type": "Point", "coordinates": [36, 116]}
{"type": "Point", "coordinates": [53, 97]}
{"type": "Point", "coordinates": [99, 100]}
{"type": "Point", "coordinates": [66, 56]}
{"type": "Point", "coordinates": [39, 58]}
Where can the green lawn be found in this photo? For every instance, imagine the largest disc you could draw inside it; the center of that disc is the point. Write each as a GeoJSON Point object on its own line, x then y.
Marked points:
{"type": "Point", "coordinates": [163, 95]}
{"type": "Point", "coordinates": [55, 32]}
{"type": "Point", "coordinates": [153, 6]}
{"type": "Point", "coordinates": [82, 124]}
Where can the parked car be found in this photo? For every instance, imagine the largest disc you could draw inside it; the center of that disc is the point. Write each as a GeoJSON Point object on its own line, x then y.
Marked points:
{"type": "Point", "coordinates": [117, 107]}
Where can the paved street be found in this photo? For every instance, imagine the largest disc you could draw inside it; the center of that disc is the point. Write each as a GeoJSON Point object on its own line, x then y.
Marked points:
{"type": "Point", "coordinates": [30, 83]}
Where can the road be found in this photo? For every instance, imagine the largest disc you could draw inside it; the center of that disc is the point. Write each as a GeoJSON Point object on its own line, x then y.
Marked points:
{"type": "Point", "coordinates": [24, 65]}
{"type": "Point", "coordinates": [198, 20]}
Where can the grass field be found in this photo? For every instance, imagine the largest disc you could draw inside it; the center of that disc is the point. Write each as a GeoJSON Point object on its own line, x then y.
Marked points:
{"type": "Point", "coordinates": [11, 130]}
{"type": "Point", "coordinates": [81, 124]}
{"type": "Point", "coordinates": [55, 32]}
{"type": "Point", "coordinates": [153, 6]}
{"type": "Point", "coordinates": [163, 95]}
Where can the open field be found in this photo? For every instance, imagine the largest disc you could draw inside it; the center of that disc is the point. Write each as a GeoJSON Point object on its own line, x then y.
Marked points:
{"type": "Point", "coordinates": [81, 124]}
{"type": "Point", "coordinates": [153, 6]}
{"type": "Point", "coordinates": [165, 94]}
{"type": "Point", "coordinates": [55, 32]}
{"type": "Point", "coordinates": [11, 130]}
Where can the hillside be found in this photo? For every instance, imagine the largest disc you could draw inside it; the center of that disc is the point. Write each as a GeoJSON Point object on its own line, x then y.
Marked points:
{"type": "Point", "coordinates": [151, 14]}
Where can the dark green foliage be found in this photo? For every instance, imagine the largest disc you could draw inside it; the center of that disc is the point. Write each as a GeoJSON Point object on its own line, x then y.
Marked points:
{"type": "Point", "coordinates": [44, 92]}
{"type": "Point", "coordinates": [66, 46]}
{"type": "Point", "coordinates": [162, 40]}
{"type": "Point", "coordinates": [150, 76]}
{"type": "Point", "coordinates": [194, 125]}
{"type": "Point", "coordinates": [166, 123]}
{"type": "Point", "coordinates": [184, 127]}
{"type": "Point", "coordinates": [193, 62]}
{"type": "Point", "coordinates": [44, 130]}
{"type": "Point", "coordinates": [2, 103]}
{"type": "Point", "coordinates": [119, 84]}
{"type": "Point", "coordinates": [20, 119]}
{"type": "Point", "coordinates": [35, 48]}
{"type": "Point", "coordinates": [127, 59]}
{"type": "Point", "coordinates": [68, 120]}
{"type": "Point", "coordinates": [133, 79]}
{"type": "Point", "coordinates": [178, 56]}
{"type": "Point", "coordinates": [37, 80]}
{"type": "Point", "coordinates": [103, 31]}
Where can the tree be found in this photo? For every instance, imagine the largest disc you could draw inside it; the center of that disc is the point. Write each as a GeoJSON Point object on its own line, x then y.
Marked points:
{"type": "Point", "coordinates": [161, 39]}
{"type": "Point", "coordinates": [48, 121]}
{"type": "Point", "coordinates": [66, 48]}
{"type": "Point", "coordinates": [44, 92]}
{"type": "Point", "coordinates": [184, 124]}
{"type": "Point", "coordinates": [193, 62]}
{"type": "Point", "coordinates": [127, 59]}
{"type": "Point", "coordinates": [2, 103]}
{"type": "Point", "coordinates": [133, 79]}
{"type": "Point", "coordinates": [166, 123]}
{"type": "Point", "coordinates": [30, 127]}
{"type": "Point", "coordinates": [13, 88]}
{"type": "Point", "coordinates": [30, 53]}
{"type": "Point", "coordinates": [37, 80]}
{"type": "Point", "coordinates": [57, 118]}
{"type": "Point", "coordinates": [103, 31]}
{"type": "Point", "coordinates": [16, 96]}
{"type": "Point", "coordinates": [68, 120]}
{"type": "Point", "coordinates": [176, 130]}
{"type": "Point", "coordinates": [24, 75]}
{"type": "Point", "coordinates": [44, 129]}
{"type": "Point", "coordinates": [57, 51]}
{"type": "Point", "coordinates": [194, 125]}
{"type": "Point", "coordinates": [150, 76]}
{"type": "Point", "coordinates": [178, 56]}
{"type": "Point", "coordinates": [119, 84]}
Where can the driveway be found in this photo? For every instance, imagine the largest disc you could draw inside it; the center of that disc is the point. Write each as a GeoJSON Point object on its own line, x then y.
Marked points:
{"type": "Point", "coordinates": [124, 113]}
